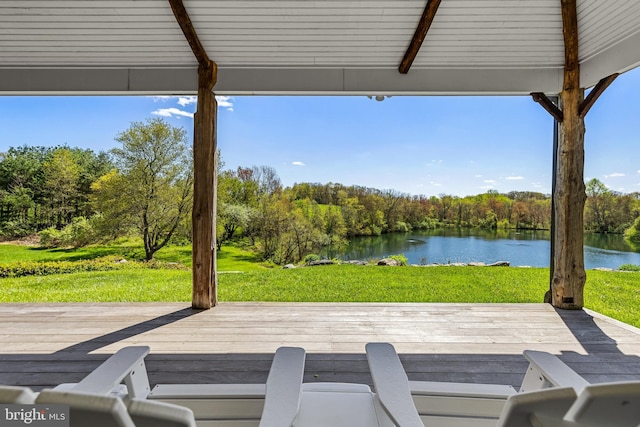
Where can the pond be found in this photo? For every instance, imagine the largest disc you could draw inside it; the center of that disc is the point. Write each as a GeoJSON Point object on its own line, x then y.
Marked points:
{"type": "Point", "coordinates": [519, 247]}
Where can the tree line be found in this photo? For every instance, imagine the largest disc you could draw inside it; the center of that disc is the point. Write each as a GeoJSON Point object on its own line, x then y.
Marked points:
{"type": "Point", "coordinates": [73, 197]}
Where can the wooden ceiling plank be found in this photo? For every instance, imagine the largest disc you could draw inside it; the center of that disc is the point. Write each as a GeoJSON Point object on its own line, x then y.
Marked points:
{"type": "Point", "coordinates": [428, 15]}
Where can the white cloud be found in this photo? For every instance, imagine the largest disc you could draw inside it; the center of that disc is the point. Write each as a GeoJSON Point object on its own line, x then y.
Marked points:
{"type": "Point", "coordinates": [186, 100]}
{"type": "Point", "coordinates": [489, 181]}
{"type": "Point", "coordinates": [487, 187]}
{"type": "Point", "coordinates": [225, 102]}
{"type": "Point", "coordinates": [298, 164]}
{"type": "Point", "coordinates": [536, 184]}
{"type": "Point", "coordinates": [162, 98]}
{"type": "Point", "coordinates": [183, 101]}
{"type": "Point", "coordinates": [478, 176]}
{"type": "Point", "coordinates": [435, 184]}
{"type": "Point", "coordinates": [514, 178]}
{"type": "Point", "coordinates": [171, 112]}
{"type": "Point", "coordinates": [614, 175]}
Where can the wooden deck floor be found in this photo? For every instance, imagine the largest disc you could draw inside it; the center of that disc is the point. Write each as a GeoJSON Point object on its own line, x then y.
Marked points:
{"type": "Point", "coordinates": [47, 344]}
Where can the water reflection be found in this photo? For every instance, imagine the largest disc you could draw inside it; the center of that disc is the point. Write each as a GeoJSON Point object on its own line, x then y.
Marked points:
{"type": "Point", "coordinates": [526, 247]}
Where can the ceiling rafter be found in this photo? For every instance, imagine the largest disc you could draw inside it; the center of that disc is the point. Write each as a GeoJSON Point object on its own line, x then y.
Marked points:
{"type": "Point", "coordinates": [189, 31]}
{"type": "Point", "coordinates": [418, 37]}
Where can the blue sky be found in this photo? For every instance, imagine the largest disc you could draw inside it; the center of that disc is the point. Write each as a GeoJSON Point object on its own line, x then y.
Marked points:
{"type": "Point", "coordinates": [417, 145]}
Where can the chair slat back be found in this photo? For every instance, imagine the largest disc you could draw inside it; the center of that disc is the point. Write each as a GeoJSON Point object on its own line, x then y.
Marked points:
{"type": "Point", "coordinates": [284, 388]}
{"type": "Point", "coordinates": [392, 385]}
{"type": "Point", "coordinates": [89, 409]}
{"type": "Point", "coordinates": [147, 413]}
{"type": "Point", "coordinates": [615, 403]}
{"type": "Point", "coordinates": [522, 410]}
{"type": "Point", "coordinates": [16, 395]}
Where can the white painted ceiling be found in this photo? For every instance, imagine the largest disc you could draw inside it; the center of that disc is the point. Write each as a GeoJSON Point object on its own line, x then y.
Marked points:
{"type": "Point", "coordinates": [308, 46]}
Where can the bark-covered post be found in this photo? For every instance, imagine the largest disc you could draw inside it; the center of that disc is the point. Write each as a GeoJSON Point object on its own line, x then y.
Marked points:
{"type": "Point", "coordinates": [205, 280]}
{"type": "Point", "coordinates": [204, 203]}
{"type": "Point", "coordinates": [567, 285]}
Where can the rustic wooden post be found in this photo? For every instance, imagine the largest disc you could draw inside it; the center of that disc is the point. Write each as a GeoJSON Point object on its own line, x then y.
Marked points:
{"type": "Point", "coordinates": [205, 280]}
{"type": "Point", "coordinates": [569, 276]}
{"type": "Point", "coordinates": [204, 194]}
{"type": "Point", "coordinates": [567, 245]}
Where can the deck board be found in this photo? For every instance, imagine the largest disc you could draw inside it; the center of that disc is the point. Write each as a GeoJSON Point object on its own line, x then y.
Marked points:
{"type": "Point", "coordinates": [47, 344]}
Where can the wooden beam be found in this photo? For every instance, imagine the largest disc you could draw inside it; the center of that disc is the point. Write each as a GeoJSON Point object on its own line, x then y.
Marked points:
{"type": "Point", "coordinates": [203, 224]}
{"type": "Point", "coordinates": [595, 94]}
{"type": "Point", "coordinates": [567, 284]}
{"type": "Point", "coordinates": [204, 195]}
{"type": "Point", "coordinates": [548, 105]}
{"type": "Point", "coordinates": [418, 37]}
{"type": "Point", "coordinates": [180, 12]}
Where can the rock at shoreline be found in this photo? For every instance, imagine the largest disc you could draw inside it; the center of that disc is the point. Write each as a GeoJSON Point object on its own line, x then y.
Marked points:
{"type": "Point", "coordinates": [321, 262]}
{"type": "Point", "coordinates": [356, 262]}
{"type": "Point", "coordinates": [389, 261]}
{"type": "Point", "coordinates": [499, 264]}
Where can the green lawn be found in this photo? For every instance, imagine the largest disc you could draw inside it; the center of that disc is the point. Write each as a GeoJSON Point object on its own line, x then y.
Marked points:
{"type": "Point", "coordinates": [614, 294]}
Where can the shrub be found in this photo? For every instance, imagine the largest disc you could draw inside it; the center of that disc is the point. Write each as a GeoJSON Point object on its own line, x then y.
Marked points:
{"type": "Point", "coordinates": [50, 237]}
{"type": "Point", "coordinates": [430, 223]}
{"type": "Point", "coordinates": [402, 227]}
{"type": "Point", "coordinates": [400, 258]}
{"type": "Point", "coordinates": [632, 234]}
{"type": "Point", "coordinates": [32, 268]}
{"type": "Point", "coordinates": [504, 224]}
{"type": "Point", "coordinates": [79, 233]}
{"type": "Point", "coordinates": [629, 267]}
{"type": "Point", "coordinates": [15, 229]}
{"type": "Point", "coordinates": [310, 258]}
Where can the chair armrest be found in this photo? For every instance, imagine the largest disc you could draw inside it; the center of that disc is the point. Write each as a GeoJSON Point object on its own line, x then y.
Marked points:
{"type": "Point", "coordinates": [392, 385]}
{"type": "Point", "coordinates": [284, 388]}
{"type": "Point", "coordinates": [127, 365]}
{"type": "Point", "coordinates": [546, 370]}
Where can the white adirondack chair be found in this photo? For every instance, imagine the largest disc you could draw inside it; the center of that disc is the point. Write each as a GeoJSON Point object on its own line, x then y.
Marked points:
{"type": "Point", "coordinates": [16, 395]}
{"type": "Point", "coordinates": [87, 409]}
{"type": "Point", "coordinates": [615, 404]}
{"type": "Point", "coordinates": [124, 375]}
{"type": "Point", "coordinates": [289, 402]}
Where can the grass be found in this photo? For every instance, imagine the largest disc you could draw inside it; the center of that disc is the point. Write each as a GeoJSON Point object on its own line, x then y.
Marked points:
{"type": "Point", "coordinates": [350, 283]}
{"type": "Point", "coordinates": [614, 294]}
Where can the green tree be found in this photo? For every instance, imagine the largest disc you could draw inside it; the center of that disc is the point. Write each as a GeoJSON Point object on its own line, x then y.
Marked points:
{"type": "Point", "coordinates": [153, 185]}
{"type": "Point", "coordinates": [61, 181]}
{"type": "Point", "coordinates": [598, 207]}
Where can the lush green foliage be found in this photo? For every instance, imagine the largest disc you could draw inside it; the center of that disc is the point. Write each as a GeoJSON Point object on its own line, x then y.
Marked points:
{"type": "Point", "coordinates": [32, 268]}
{"type": "Point", "coordinates": [153, 186]}
{"type": "Point", "coordinates": [75, 197]}
{"type": "Point", "coordinates": [607, 211]}
{"type": "Point", "coordinates": [230, 258]}
{"type": "Point", "coordinates": [44, 187]}
{"type": "Point", "coordinates": [400, 258]}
